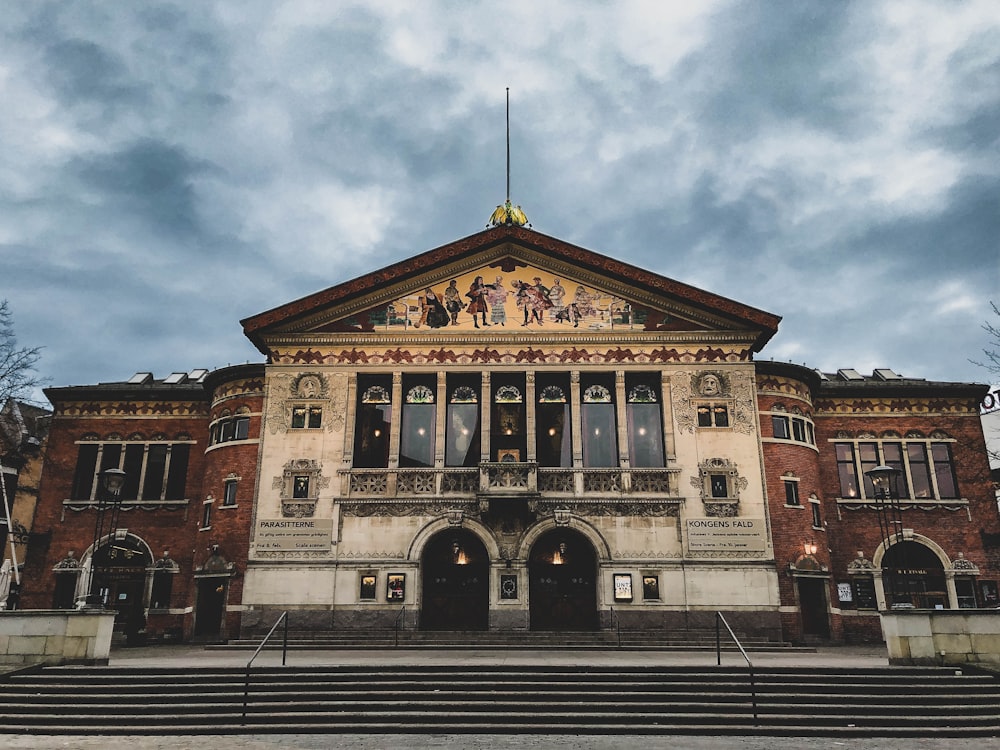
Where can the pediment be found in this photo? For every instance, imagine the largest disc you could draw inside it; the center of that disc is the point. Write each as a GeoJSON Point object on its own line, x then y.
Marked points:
{"type": "Point", "coordinates": [505, 282]}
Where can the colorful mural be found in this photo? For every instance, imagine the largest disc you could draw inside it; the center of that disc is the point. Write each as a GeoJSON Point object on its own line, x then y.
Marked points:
{"type": "Point", "coordinates": [528, 298]}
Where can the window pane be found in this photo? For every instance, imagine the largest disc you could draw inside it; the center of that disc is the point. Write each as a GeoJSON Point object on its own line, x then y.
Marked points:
{"type": "Point", "coordinates": [704, 416]}
{"type": "Point", "coordinates": [721, 415]}
{"type": "Point", "coordinates": [156, 459]}
{"type": "Point", "coordinates": [943, 470]}
{"type": "Point", "coordinates": [791, 493]}
{"type": "Point", "coordinates": [846, 470]}
{"type": "Point", "coordinates": [779, 426]}
{"type": "Point", "coordinates": [893, 456]}
{"type": "Point", "coordinates": [600, 441]}
{"type": "Point", "coordinates": [799, 430]}
{"type": "Point", "coordinates": [300, 487]}
{"type": "Point", "coordinates": [817, 516]}
{"type": "Point", "coordinates": [416, 447]}
{"type": "Point", "coordinates": [371, 448]}
{"type": "Point", "coordinates": [552, 438]}
{"type": "Point", "coordinates": [229, 493]}
{"type": "Point", "coordinates": [719, 486]}
{"type": "Point", "coordinates": [919, 470]}
{"type": "Point", "coordinates": [134, 453]}
{"type": "Point", "coordinates": [227, 430]}
{"type": "Point", "coordinates": [462, 438]}
{"type": "Point", "coordinates": [86, 468]}
{"type": "Point", "coordinates": [869, 460]}
{"type": "Point", "coordinates": [177, 480]}
{"type": "Point", "coordinates": [243, 428]}
{"type": "Point", "coordinates": [645, 435]}
{"type": "Point", "coordinates": [159, 597]}
{"type": "Point", "coordinates": [298, 417]}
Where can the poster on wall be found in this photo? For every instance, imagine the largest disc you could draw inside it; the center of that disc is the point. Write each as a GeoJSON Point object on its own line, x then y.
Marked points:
{"type": "Point", "coordinates": [367, 586]}
{"type": "Point", "coordinates": [508, 586]}
{"type": "Point", "coordinates": [651, 587]}
{"type": "Point", "coordinates": [623, 587]}
{"type": "Point", "coordinates": [396, 587]}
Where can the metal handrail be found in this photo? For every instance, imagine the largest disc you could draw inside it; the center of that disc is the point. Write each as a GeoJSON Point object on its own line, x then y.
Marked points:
{"type": "Point", "coordinates": [395, 626]}
{"type": "Point", "coordinates": [616, 623]}
{"type": "Point", "coordinates": [284, 653]}
{"type": "Point", "coordinates": [718, 658]}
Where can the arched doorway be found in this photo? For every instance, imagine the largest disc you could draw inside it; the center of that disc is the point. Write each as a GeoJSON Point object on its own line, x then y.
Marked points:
{"type": "Point", "coordinates": [562, 570]}
{"type": "Point", "coordinates": [456, 574]}
{"type": "Point", "coordinates": [119, 578]}
{"type": "Point", "coordinates": [913, 576]}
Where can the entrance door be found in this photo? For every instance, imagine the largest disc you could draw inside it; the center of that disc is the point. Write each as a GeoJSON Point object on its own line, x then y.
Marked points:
{"type": "Point", "coordinates": [455, 592]}
{"type": "Point", "coordinates": [562, 583]}
{"type": "Point", "coordinates": [209, 608]}
{"type": "Point", "coordinates": [120, 579]}
{"type": "Point", "coordinates": [812, 605]}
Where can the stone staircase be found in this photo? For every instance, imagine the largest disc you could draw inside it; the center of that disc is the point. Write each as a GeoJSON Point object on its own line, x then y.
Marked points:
{"type": "Point", "coordinates": [494, 699]}
{"type": "Point", "coordinates": [633, 640]}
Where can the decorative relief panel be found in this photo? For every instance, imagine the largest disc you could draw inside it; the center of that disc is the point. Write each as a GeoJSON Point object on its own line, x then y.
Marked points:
{"type": "Point", "coordinates": [307, 389]}
{"type": "Point", "coordinates": [605, 508]}
{"type": "Point", "coordinates": [691, 389]}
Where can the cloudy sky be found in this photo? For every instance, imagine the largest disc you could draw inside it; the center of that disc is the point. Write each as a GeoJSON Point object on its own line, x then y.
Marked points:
{"type": "Point", "coordinates": [168, 168]}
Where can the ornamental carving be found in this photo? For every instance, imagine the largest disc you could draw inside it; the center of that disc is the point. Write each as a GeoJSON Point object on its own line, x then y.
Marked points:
{"type": "Point", "coordinates": [860, 565]}
{"type": "Point", "coordinates": [689, 389]}
{"type": "Point", "coordinates": [298, 508]}
{"type": "Point", "coordinates": [403, 509]}
{"type": "Point", "coordinates": [611, 508]}
{"type": "Point", "coordinates": [308, 388]}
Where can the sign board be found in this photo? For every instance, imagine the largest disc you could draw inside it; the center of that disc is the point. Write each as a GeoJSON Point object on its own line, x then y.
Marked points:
{"type": "Point", "coordinates": [726, 535]}
{"type": "Point", "coordinates": [294, 535]}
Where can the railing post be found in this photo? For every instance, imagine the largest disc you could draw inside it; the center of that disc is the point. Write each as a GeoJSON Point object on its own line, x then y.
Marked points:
{"type": "Point", "coordinates": [284, 640]}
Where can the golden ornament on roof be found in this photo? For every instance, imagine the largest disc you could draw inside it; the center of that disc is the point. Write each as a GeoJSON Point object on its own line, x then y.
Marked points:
{"type": "Point", "coordinates": [508, 214]}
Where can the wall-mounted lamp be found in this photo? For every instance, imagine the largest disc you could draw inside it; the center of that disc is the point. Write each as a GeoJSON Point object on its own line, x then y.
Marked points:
{"type": "Point", "coordinates": [809, 548]}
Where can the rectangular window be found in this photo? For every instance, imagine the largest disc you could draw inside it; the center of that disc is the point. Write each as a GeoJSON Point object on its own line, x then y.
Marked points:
{"type": "Point", "coordinates": [868, 453]}
{"type": "Point", "coordinates": [229, 492]}
{"type": "Point", "coordinates": [864, 592]}
{"type": "Point", "coordinates": [163, 583]}
{"type": "Point", "coordinates": [847, 470]}
{"type": "Point", "coordinates": [300, 487]}
{"type": "Point", "coordinates": [644, 417]}
{"type": "Point", "coordinates": [920, 473]}
{"type": "Point", "coordinates": [227, 431]}
{"type": "Point", "coordinates": [791, 493]}
{"type": "Point", "coordinates": [779, 427]}
{"type": "Point", "coordinates": [177, 476]}
{"type": "Point", "coordinates": [600, 433]}
{"type": "Point", "coordinates": [86, 470]}
{"type": "Point", "coordinates": [817, 516]}
{"type": "Point", "coordinates": [713, 415]}
{"type": "Point", "coordinates": [372, 423]}
{"type": "Point", "coordinates": [719, 486]}
{"type": "Point", "coordinates": [965, 588]}
{"type": "Point", "coordinates": [799, 430]}
{"type": "Point", "coordinates": [944, 472]}
{"type": "Point", "coordinates": [418, 421]}
{"type": "Point", "coordinates": [242, 428]}
{"type": "Point", "coordinates": [892, 456]}
{"type": "Point", "coordinates": [315, 417]}
{"type": "Point", "coordinates": [298, 417]}
{"type": "Point", "coordinates": [156, 465]}
{"type": "Point", "coordinates": [134, 455]}
{"type": "Point", "coordinates": [206, 516]}
{"type": "Point", "coordinates": [810, 434]}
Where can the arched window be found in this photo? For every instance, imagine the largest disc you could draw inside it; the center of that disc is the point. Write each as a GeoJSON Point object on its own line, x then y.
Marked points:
{"type": "Point", "coordinates": [462, 431]}
{"type": "Point", "coordinates": [600, 434]}
{"type": "Point", "coordinates": [416, 438]}
{"type": "Point", "coordinates": [645, 421]}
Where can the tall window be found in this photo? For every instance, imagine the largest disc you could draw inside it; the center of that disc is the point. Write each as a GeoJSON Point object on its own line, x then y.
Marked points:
{"type": "Point", "coordinates": [713, 415]}
{"type": "Point", "coordinates": [374, 417]}
{"type": "Point", "coordinates": [416, 446]}
{"type": "Point", "coordinates": [791, 492]}
{"type": "Point", "coordinates": [508, 438]}
{"type": "Point", "coordinates": [925, 466]}
{"type": "Point", "coordinates": [553, 443]}
{"type": "Point", "coordinates": [153, 470]}
{"type": "Point", "coordinates": [462, 431]}
{"type": "Point", "coordinates": [600, 435]}
{"type": "Point", "coordinates": [645, 421]}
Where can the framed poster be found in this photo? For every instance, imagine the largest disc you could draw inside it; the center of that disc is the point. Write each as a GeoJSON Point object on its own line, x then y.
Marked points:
{"type": "Point", "coordinates": [623, 587]}
{"type": "Point", "coordinates": [508, 586]}
{"type": "Point", "coordinates": [651, 587]}
{"type": "Point", "coordinates": [395, 587]}
{"type": "Point", "coordinates": [367, 587]}
{"type": "Point", "coordinates": [845, 592]}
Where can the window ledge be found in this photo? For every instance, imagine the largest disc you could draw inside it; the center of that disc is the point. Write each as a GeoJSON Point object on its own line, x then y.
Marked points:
{"type": "Point", "coordinates": [800, 506]}
{"type": "Point", "coordinates": [904, 503]}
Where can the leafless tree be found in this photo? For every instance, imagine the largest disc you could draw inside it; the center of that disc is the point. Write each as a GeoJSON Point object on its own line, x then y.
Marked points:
{"type": "Point", "coordinates": [18, 374]}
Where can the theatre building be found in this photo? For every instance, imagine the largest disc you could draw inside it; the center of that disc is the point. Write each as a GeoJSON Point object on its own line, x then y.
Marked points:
{"type": "Point", "coordinates": [510, 432]}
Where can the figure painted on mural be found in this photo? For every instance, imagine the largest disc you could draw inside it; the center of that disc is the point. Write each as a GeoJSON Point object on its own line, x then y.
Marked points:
{"type": "Point", "coordinates": [497, 298]}
{"type": "Point", "coordinates": [584, 302]}
{"type": "Point", "coordinates": [477, 306]}
{"type": "Point", "coordinates": [432, 312]}
{"type": "Point", "coordinates": [533, 299]}
{"type": "Point", "coordinates": [453, 301]}
{"type": "Point", "coordinates": [557, 295]}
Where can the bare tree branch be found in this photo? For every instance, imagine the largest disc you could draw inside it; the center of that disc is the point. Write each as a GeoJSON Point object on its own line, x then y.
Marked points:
{"type": "Point", "coordinates": [18, 376]}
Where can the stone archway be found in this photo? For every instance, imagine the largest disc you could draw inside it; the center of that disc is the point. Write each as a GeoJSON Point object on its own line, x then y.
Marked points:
{"type": "Point", "coordinates": [455, 570]}
{"type": "Point", "coordinates": [913, 576]}
{"type": "Point", "coordinates": [562, 582]}
{"type": "Point", "coordinates": [119, 577]}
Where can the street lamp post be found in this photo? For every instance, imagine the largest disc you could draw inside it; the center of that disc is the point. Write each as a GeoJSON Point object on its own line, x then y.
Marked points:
{"type": "Point", "coordinates": [105, 524]}
{"type": "Point", "coordinates": [890, 524]}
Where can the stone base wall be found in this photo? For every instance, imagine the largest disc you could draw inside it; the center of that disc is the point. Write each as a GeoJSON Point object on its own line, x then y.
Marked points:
{"type": "Point", "coordinates": [949, 637]}
{"type": "Point", "coordinates": [55, 637]}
